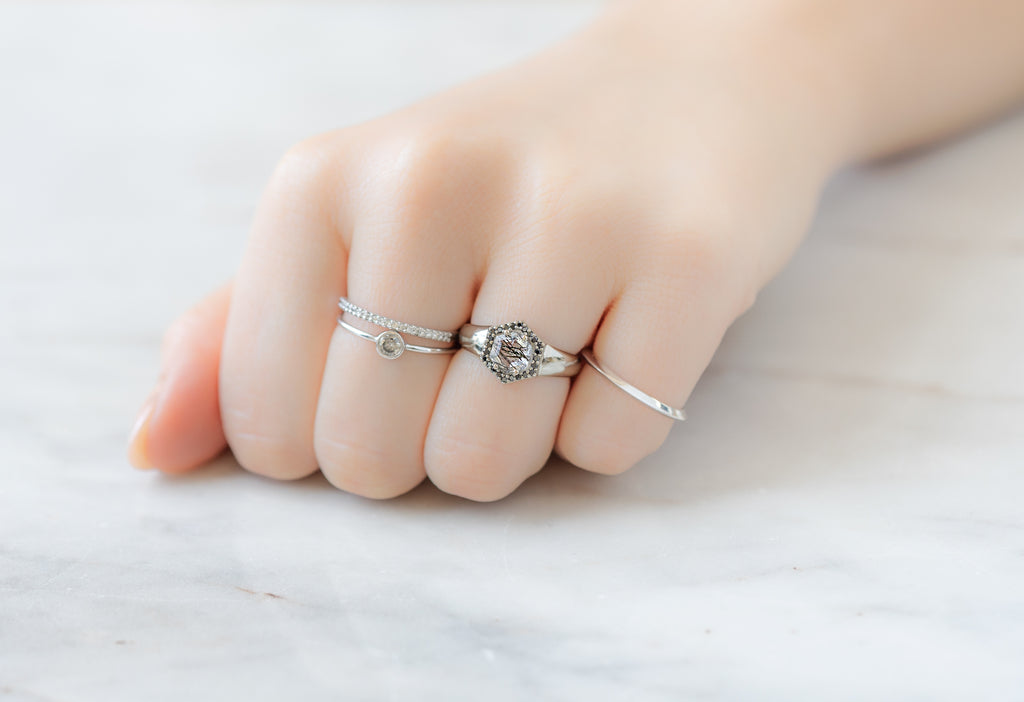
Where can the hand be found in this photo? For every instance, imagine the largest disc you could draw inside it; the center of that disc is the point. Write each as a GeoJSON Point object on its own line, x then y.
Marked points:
{"type": "Point", "coordinates": [631, 188]}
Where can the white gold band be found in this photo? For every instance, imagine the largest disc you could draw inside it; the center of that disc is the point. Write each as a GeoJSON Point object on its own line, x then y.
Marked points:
{"type": "Point", "coordinates": [388, 323]}
{"type": "Point", "coordinates": [390, 343]}
{"type": "Point", "coordinates": [654, 403]}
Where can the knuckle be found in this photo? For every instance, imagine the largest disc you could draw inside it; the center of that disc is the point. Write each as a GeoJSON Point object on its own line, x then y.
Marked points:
{"type": "Point", "coordinates": [695, 255]}
{"type": "Point", "coordinates": [703, 262]}
{"type": "Point", "coordinates": [560, 220]}
{"type": "Point", "coordinates": [362, 470]}
{"type": "Point", "coordinates": [563, 198]}
{"type": "Point", "coordinates": [593, 455]}
{"type": "Point", "coordinates": [185, 331]}
{"type": "Point", "coordinates": [608, 450]}
{"type": "Point", "coordinates": [267, 454]}
{"type": "Point", "coordinates": [440, 170]}
{"type": "Point", "coordinates": [307, 166]}
{"type": "Point", "coordinates": [469, 469]}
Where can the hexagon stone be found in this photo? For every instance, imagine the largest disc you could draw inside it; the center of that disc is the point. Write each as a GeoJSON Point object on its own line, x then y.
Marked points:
{"type": "Point", "coordinates": [512, 349]}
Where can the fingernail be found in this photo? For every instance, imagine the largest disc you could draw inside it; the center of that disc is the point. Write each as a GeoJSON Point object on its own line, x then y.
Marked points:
{"type": "Point", "coordinates": [138, 448]}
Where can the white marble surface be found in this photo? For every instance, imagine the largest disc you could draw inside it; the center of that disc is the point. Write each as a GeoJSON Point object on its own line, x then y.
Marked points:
{"type": "Point", "coordinates": [840, 519]}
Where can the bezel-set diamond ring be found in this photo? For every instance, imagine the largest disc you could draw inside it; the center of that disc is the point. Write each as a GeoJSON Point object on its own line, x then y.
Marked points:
{"type": "Point", "coordinates": [513, 352]}
{"type": "Point", "coordinates": [390, 344]}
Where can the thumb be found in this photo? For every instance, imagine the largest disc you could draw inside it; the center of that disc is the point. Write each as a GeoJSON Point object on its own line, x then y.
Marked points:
{"type": "Point", "coordinates": [179, 427]}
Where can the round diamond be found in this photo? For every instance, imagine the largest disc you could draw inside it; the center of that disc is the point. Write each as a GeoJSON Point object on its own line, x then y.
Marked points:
{"type": "Point", "coordinates": [511, 349]}
{"type": "Point", "coordinates": [390, 344]}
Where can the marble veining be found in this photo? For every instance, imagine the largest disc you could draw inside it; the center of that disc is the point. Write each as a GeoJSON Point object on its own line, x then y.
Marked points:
{"type": "Point", "coordinates": [839, 518]}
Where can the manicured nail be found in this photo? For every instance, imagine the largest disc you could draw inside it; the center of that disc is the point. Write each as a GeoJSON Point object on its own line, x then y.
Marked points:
{"type": "Point", "coordinates": [138, 442]}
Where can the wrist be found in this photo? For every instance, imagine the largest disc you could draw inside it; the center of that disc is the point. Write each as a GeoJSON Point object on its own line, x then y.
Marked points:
{"type": "Point", "coordinates": [782, 57]}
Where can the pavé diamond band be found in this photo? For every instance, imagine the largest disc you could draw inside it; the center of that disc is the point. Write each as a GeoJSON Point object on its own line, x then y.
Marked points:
{"type": "Point", "coordinates": [390, 343]}
{"type": "Point", "coordinates": [393, 324]}
{"type": "Point", "coordinates": [633, 391]}
{"type": "Point", "coordinates": [513, 352]}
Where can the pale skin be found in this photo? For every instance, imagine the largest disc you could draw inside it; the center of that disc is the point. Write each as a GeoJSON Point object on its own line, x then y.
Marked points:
{"type": "Point", "coordinates": [650, 173]}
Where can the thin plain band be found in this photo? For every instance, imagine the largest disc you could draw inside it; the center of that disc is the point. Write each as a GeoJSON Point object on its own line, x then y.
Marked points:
{"type": "Point", "coordinates": [393, 324]}
{"type": "Point", "coordinates": [553, 361]}
{"type": "Point", "coordinates": [652, 402]}
{"type": "Point", "coordinates": [408, 347]}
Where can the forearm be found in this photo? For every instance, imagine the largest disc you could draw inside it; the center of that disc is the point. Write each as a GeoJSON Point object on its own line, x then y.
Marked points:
{"type": "Point", "coordinates": [880, 76]}
{"type": "Point", "coordinates": [923, 69]}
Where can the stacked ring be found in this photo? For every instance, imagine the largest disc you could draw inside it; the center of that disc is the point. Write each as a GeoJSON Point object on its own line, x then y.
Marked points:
{"type": "Point", "coordinates": [390, 343]}
{"type": "Point", "coordinates": [510, 351]}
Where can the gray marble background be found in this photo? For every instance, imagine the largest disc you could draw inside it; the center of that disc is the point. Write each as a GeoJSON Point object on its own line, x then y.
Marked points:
{"type": "Point", "coordinates": [840, 518]}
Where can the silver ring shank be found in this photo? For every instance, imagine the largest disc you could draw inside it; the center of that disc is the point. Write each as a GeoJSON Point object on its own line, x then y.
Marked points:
{"type": "Point", "coordinates": [553, 362]}
{"type": "Point", "coordinates": [633, 391]}
{"type": "Point", "coordinates": [408, 347]}
{"type": "Point", "coordinates": [393, 324]}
